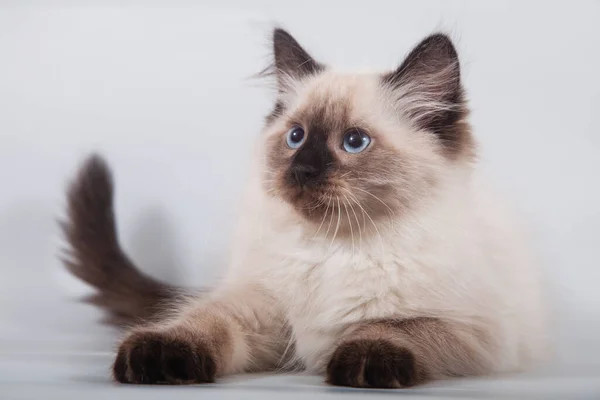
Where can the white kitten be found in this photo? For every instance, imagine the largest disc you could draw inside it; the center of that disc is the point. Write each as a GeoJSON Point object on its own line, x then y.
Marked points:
{"type": "Point", "coordinates": [368, 249]}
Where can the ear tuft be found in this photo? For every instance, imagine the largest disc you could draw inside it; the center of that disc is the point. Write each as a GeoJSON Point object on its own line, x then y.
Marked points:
{"type": "Point", "coordinates": [429, 91]}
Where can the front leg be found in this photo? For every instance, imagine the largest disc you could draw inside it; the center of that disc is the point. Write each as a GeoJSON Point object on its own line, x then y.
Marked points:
{"type": "Point", "coordinates": [234, 330]}
{"type": "Point", "coordinates": [404, 353]}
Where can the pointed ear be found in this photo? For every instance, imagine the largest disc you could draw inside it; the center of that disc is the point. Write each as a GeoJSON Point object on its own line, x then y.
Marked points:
{"type": "Point", "coordinates": [428, 88]}
{"type": "Point", "coordinates": [290, 60]}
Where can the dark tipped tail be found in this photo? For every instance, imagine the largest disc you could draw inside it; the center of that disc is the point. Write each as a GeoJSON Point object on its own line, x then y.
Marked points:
{"type": "Point", "coordinates": [95, 256]}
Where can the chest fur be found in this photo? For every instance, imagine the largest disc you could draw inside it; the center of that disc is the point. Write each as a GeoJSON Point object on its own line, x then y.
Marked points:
{"type": "Point", "coordinates": [325, 290]}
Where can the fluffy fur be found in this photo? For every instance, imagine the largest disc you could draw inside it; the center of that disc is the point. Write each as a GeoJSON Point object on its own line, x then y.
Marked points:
{"type": "Point", "coordinates": [386, 268]}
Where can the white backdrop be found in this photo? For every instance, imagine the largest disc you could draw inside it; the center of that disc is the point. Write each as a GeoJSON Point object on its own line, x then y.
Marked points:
{"type": "Point", "coordinates": [164, 91]}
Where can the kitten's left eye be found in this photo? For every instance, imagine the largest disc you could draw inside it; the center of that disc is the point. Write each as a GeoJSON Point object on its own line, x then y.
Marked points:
{"type": "Point", "coordinates": [356, 141]}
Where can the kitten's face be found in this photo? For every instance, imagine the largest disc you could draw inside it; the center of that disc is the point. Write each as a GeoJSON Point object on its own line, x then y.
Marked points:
{"type": "Point", "coordinates": [347, 149]}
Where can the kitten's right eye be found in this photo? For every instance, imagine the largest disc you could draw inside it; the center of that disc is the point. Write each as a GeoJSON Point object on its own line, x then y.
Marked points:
{"type": "Point", "coordinates": [295, 137]}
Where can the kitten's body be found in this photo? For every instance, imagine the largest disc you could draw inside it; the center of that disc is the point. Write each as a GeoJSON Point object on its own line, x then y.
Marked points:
{"type": "Point", "coordinates": [459, 259]}
{"type": "Point", "coordinates": [402, 267]}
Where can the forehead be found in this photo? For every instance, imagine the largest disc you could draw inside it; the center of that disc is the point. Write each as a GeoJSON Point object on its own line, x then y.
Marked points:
{"type": "Point", "coordinates": [334, 101]}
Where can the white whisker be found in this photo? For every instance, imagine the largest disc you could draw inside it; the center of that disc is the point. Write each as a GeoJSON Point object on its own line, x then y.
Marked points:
{"type": "Point", "coordinates": [349, 223]}
{"type": "Point", "coordinates": [358, 225]}
{"type": "Point", "coordinates": [330, 221]}
{"type": "Point", "coordinates": [324, 216]}
{"type": "Point", "coordinates": [370, 219]}
{"type": "Point", "coordinates": [337, 226]}
{"type": "Point", "coordinates": [376, 198]}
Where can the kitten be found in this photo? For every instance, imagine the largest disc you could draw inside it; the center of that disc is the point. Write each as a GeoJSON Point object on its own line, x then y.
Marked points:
{"type": "Point", "coordinates": [368, 249]}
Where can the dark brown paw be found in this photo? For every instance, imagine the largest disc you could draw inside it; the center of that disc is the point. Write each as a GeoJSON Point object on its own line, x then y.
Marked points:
{"type": "Point", "coordinates": [373, 363]}
{"type": "Point", "coordinates": [155, 358]}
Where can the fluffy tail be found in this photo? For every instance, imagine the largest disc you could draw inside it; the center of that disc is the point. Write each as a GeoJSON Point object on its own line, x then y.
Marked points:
{"type": "Point", "coordinates": [95, 256]}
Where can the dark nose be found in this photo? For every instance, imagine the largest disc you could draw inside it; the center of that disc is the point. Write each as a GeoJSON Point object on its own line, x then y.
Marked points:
{"type": "Point", "coordinates": [305, 173]}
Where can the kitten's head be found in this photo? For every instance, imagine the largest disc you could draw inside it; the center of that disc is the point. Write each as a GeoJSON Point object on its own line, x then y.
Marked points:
{"type": "Point", "coordinates": [355, 147]}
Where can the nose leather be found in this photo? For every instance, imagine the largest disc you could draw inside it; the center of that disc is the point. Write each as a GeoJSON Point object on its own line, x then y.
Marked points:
{"type": "Point", "coordinates": [304, 173]}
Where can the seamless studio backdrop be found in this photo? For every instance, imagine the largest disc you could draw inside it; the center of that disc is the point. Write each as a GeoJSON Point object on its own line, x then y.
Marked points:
{"type": "Point", "coordinates": [165, 92]}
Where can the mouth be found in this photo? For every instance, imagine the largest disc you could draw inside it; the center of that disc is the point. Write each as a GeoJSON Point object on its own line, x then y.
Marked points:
{"type": "Point", "coordinates": [308, 200]}
{"type": "Point", "coordinates": [313, 203]}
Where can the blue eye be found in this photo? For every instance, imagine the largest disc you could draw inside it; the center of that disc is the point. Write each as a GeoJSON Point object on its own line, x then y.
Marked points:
{"type": "Point", "coordinates": [356, 141]}
{"type": "Point", "coordinates": [295, 137]}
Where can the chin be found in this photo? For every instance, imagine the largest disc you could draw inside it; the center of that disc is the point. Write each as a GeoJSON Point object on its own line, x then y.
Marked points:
{"type": "Point", "coordinates": [312, 205]}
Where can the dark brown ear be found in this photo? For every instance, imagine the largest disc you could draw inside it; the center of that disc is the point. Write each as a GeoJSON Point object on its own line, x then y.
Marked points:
{"type": "Point", "coordinates": [291, 61]}
{"type": "Point", "coordinates": [429, 90]}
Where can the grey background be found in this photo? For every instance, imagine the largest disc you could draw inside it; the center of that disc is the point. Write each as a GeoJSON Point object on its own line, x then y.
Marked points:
{"type": "Point", "coordinates": [164, 90]}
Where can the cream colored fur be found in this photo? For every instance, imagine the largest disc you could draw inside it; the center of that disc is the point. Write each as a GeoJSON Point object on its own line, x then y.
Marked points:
{"type": "Point", "coordinates": [458, 255]}
{"type": "Point", "coordinates": [450, 250]}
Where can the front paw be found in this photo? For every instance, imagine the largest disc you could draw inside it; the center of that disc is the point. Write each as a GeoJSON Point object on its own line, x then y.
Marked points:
{"type": "Point", "coordinates": [156, 357]}
{"type": "Point", "coordinates": [373, 363]}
